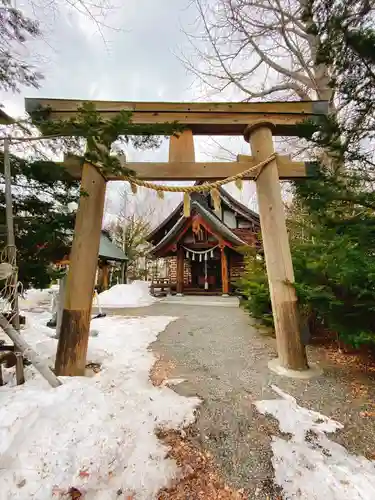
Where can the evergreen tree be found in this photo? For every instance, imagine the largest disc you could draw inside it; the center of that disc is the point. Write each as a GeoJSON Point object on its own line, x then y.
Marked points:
{"type": "Point", "coordinates": [15, 30]}
{"type": "Point", "coordinates": [43, 190]}
{"type": "Point", "coordinates": [38, 193]}
{"type": "Point", "coordinates": [332, 220]}
{"type": "Point", "coordinates": [42, 193]}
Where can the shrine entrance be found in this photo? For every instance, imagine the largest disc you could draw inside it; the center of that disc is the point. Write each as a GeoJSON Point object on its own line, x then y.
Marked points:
{"type": "Point", "coordinates": [257, 122]}
{"type": "Point", "coordinates": [206, 275]}
{"type": "Point", "coordinates": [202, 250]}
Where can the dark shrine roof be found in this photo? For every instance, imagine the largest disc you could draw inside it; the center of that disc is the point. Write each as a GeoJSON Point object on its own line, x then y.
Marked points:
{"type": "Point", "coordinates": [226, 198]}
{"type": "Point", "coordinates": [210, 218]}
{"type": "Point", "coordinates": [238, 207]}
{"type": "Point", "coordinates": [109, 251]}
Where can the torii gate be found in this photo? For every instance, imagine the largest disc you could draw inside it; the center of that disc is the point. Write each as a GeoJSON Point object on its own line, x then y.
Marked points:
{"type": "Point", "coordinates": [257, 122]}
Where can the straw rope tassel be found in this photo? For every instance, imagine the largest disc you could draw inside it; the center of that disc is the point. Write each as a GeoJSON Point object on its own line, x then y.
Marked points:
{"type": "Point", "coordinates": [160, 194]}
{"type": "Point", "coordinates": [133, 187]}
{"type": "Point", "coordinates": [186, 205]}
{"type": "Point", "coordinates": [239, 184]}
{"type": "Point", "coordinates": [215, 195]}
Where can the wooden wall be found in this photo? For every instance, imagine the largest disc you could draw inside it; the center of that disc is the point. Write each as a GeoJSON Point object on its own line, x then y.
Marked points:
{"type": "Point", "coordinates": [172, 264]}
{"type": "Point", "coordinates": [235, 264]}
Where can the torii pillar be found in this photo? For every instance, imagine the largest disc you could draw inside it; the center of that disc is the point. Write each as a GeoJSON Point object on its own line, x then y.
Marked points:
{"type": "Point", "coordinates": [291, 352]}
{"type": "Point", "coordinates": [75, 325]}
{"type": "Point", "coordinates": [181, 149]}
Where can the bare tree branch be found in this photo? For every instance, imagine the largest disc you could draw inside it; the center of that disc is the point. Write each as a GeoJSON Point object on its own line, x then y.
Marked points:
{"type": "Point", "coordinates": [242, 43]}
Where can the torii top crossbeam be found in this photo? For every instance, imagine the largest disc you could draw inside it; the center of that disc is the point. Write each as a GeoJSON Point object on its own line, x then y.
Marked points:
{"type": "Point", "coordinates": [200, 118]}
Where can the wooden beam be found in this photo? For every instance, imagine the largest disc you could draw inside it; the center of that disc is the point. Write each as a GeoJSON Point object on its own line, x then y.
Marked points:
{"type": "Point", "coordinates": [71, 105]}
{"type": "Point", "coordinates": [192, 171]}
{"type": "Point", "coordinates": [287, 168]}
{"type": "Point", "coordinates": [279, 265]}
{"type": "Point", "coordinates": [201, 118]}
{"type": "Point", "coordinates": [181, 148]}
{"type": "Point", "coordinates": [75, 326]}
{"type": "Point", "coordinates": [224, 271]}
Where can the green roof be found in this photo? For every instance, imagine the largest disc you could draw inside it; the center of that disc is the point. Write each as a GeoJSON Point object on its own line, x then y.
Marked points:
{"type": "Point", "coordinates": [5, 119]}
{"type": "Point", "coordinates": [108, 250]}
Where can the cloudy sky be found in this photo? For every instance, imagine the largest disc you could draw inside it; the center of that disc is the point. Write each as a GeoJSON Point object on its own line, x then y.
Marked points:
{"type": "Point", "coordinates": [131, 55]}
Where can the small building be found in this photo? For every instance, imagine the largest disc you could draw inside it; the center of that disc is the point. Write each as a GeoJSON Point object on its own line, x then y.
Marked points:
{"type": "Point", "coordinates": [205, 252]}
{"type": "Point", "coordinates": [111, 258]}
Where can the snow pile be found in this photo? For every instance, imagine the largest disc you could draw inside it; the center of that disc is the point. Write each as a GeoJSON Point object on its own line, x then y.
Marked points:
{"type": "Point", "coordinates": [310, 466]}
{"type": "Point", "coordinates": [135, 295]}
{"type": "Point", "coordinates": [4, 306]}
{"type": "Point", "coordinates": [94, 434]}
{"type": "Point", "coordinates": [34, 298]}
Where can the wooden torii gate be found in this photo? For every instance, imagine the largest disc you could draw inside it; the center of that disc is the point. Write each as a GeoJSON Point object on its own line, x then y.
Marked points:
{"type": "Point", "coordinates": [257, 122]}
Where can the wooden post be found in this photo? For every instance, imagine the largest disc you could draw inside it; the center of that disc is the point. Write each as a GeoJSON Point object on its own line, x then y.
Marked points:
{"type": "Point", "coordinates": [180, 270]}
{"type": "Point", "coordinates": [60, 304]}
{"type": "Point", "coordinates": [278, 258]}
{"type": "Point", "coordinates": [75, 325]}
{"type": "Point", "coordinates": [12, 257]}
{"type": "Point", "coordinates": [181, 148]}
{"type": "Point", "coordinates": [123, 273]}
{"type": "Point", "coordinates": [104, 276]}
{"type": "Point", "coordinates": [224, 271]}
{"type": "Point", "coordinates": [26, 351]}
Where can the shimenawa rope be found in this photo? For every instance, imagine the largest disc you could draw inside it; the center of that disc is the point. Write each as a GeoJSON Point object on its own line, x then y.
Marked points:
{"type": "Point", "coordinates": [200, 188]}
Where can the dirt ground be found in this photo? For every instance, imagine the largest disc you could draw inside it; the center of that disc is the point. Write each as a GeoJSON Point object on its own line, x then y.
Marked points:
{"type": "Point", "coordinates": [223, 359]}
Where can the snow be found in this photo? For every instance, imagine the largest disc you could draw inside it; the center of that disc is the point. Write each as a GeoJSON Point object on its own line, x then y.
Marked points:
{"type": "Point", "coordinates": [95, 434]}
{"type": "Point", "coordinates": [135, 295]}
{"type": "Point", "coordinates": [34, 298]}
{"type": "Point", "coordinates": [310, 466]}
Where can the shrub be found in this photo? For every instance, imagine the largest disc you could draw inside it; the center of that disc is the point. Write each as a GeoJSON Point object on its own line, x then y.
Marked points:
{"type": "Point", "coordinates": [253, 286]}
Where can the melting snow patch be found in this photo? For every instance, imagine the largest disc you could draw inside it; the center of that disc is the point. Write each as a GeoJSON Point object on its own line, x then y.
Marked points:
{"type": "Point", "coordinates": [34, 298]}
{"type": "Point", "coordinates": [94, 434]}
{"type": "Point", "coordinates": [135, 295]}
{"type": "Point", "coordinates": [309, 466]}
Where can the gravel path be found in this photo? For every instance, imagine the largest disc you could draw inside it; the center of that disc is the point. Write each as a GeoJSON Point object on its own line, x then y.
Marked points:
{"type": "Point", "coordinates": [223, 359]}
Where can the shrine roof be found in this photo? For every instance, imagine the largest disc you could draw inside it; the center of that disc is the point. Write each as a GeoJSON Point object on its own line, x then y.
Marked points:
{"type": "Point", "coordinates": [109, 251]}
{"type": "Point", "coordinates": [212, 220]}
{"type": "Point", "coordinates": [226, 198]}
